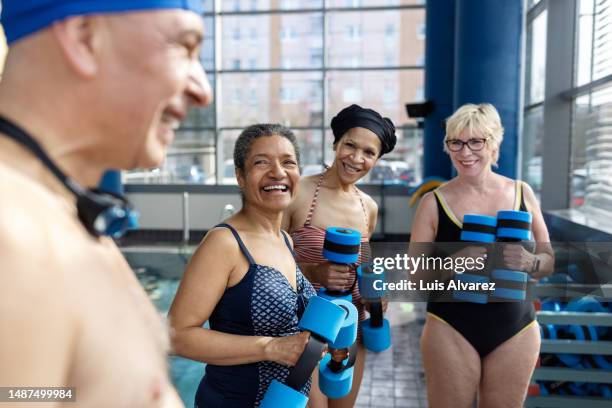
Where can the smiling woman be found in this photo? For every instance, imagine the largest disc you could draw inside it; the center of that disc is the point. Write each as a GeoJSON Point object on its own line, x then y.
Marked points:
{"type": "Point", "coordinates": [470, 349]}
{"type": "Point", "coordinates": [252, 300]}
{"type": "Point", "coordinates": [361, 137]}
{"type": "Point", "coordinates": [260, 155]}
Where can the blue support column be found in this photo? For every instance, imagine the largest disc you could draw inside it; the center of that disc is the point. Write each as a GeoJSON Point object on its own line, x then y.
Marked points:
{"type": "Point", "coordinates": [488, 64]}
{"type": "Point", "coordinates": [439, 61]}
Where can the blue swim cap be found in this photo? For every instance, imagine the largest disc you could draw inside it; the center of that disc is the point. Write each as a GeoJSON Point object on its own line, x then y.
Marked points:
{"type": "Point", "coordinates": [24, 17]}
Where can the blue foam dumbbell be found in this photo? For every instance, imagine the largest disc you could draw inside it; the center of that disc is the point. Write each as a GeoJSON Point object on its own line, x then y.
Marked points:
{"type": "Point", "coordinates": [325, 320]}
{"type": "Point", "coordinates": [341, 246]}
{"type": "Point", "coordinates": [336, 377]}
{"type": "Point", "coordinates": [512, 226]}
{"type": "Point", "coordinates": [477, 229]}
{"type": "Point", "coordinates": [376, 330]}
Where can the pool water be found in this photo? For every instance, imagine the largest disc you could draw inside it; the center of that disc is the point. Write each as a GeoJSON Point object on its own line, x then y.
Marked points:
{"type": "Point", "coordinates": [185, 374]}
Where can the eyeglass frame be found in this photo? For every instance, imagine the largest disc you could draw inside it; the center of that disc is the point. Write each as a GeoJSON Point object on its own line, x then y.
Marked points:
{"type": "Point", "coordinates": [463, 144]}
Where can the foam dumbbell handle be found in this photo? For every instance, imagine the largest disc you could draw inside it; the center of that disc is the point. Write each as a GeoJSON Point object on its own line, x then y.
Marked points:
{"type": "Point", "coordinates": [337, 366]}
{"type": "Point", "coordinates": [301, 372]}
{"type": "Point", "coordinates": [336, 377]}
{"type": "Point", "coordinates": [376, 314]}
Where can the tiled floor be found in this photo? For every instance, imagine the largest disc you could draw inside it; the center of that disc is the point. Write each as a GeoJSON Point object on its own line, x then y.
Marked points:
{"type": "Point", "coordinates": [394, 378]}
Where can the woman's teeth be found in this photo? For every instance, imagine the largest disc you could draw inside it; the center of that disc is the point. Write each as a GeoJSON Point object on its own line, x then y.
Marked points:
{"type": "Point", "coordinates": [350, 169]}
{"type": "Point", "coordinates": [275, 187]}
{"type": "Point", "coordinates": [468, 163]}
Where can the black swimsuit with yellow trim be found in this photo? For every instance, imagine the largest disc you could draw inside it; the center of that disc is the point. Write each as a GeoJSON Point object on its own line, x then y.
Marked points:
{"type": "Point", "coordinates": [486, 326]}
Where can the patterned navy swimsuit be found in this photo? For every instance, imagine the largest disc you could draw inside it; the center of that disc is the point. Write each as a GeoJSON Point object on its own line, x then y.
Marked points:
{"type": "Point", "coordinates": [263, 303]}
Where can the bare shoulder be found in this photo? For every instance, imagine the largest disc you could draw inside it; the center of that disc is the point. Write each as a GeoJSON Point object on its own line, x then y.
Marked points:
{"type": "Point", "coordinates": [29, 220]}
{"type": "Point", "coordinates": [219, 246]}
{"type": "Point", "coordinates": [370, 204]}
{"type": "Point", "coordinates": [33, 280]}
{"type": "Point", "coordinates": [221, 239]}
{"type": "Point", "coordinates": [425, 220]}
{"type": "Point", "coordinates": [308, 184]}
{"type": "Point", "coordinates": [527, 190]}
{"type": "Point", "coordinates": [427, 203]}
{"type": "Point", "coordinates": [448, 188]}
{"type": "Point", "coordinates": [529, 195]}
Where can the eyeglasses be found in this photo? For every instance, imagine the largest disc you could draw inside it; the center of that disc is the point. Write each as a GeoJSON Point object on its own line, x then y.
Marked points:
{"type": "Point", "coordinates": [475, 145]}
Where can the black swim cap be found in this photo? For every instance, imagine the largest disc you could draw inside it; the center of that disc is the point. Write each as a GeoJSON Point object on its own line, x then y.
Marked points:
{"type": "Point", "coordinates": [356, 116]}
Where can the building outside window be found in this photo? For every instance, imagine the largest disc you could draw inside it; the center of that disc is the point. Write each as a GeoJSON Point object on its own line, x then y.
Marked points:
{"type": "Point", "coordinates": [299, 65]}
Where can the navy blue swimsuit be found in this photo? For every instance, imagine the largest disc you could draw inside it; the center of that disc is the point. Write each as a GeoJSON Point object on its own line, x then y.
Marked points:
{"type": "Point", "coordinates": [263, 303]}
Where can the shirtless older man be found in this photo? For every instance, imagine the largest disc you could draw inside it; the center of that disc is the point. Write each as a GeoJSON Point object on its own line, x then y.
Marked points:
{"type": "Point", "coordinates": [97, 84]}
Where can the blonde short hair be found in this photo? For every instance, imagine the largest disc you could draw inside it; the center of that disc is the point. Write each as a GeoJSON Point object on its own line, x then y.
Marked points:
{"type": "Point", "coordinates": [482, 119]}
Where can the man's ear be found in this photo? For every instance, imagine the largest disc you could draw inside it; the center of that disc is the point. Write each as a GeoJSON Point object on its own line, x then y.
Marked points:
{"type": "Point", "coordinates": [77, 38]}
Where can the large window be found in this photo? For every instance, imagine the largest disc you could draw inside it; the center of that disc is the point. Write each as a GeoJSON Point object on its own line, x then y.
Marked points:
{"type": "Point", "coordinates": [591, 160]}
{"type": "Point", "coordinates": [535, 81]}
{"type": "Point", "coordinates": [298, 62]}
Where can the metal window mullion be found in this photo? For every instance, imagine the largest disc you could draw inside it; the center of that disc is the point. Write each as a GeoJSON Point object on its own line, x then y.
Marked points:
{"type": "Point", "coordinates": [533, 106]}
{"type": "Point", "coordinates": [325, 69]}
{"type": "Point", "coordinates": [536, 10]}
{"type": "Point", "coordinates": [593, 30]}
{"type": "Point", "coordinates": [557, 116]}
{"type": "Point", "coordinates": [217, 49]}
{"type": "Point", "coordinates": [319, 10]}
{"type": "Point", "coordinates": [323, 81]}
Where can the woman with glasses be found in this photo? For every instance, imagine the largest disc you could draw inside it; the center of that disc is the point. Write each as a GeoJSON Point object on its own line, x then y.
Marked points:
{"type": "Point", "coordinates": [470, 350]}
